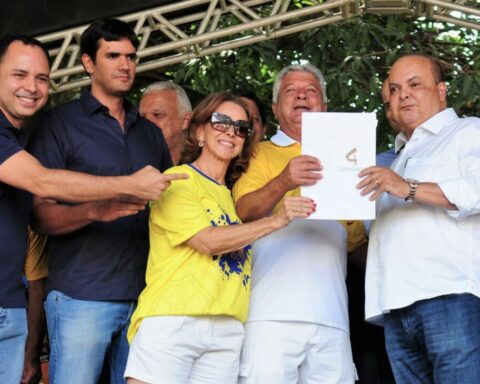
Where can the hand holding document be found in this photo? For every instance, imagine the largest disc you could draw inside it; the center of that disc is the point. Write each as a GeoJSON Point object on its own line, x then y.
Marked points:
{"type": "Point", "coordinates": [345, 144]}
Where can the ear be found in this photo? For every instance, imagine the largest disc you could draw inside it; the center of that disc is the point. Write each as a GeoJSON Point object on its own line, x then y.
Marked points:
{"type": "Point", "coordinates": [201, 133]}
{"type": "Point", "coordinates": [88, 64]}
{"type": "Point", "coordinates": [442, 91]}
{"type": "Point", "coordinates": [187, 116]}
{"type": "Point", "coordinates": [274, 110]}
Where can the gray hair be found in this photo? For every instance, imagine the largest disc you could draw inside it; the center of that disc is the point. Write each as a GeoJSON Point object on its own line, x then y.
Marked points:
{"type": "Point", "coordinates": [307, 67]}
{"type": "Point", "coordinates": [183, 101]}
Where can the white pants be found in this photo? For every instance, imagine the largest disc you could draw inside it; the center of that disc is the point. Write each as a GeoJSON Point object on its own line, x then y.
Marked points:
{"type": "Point", "coordinates": [185, 349]}
{"type": "Point", "coordinates": [284, 352]}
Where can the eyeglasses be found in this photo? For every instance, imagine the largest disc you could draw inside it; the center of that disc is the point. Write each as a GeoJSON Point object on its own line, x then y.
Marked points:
{"type": "Point", "coordinates": [222, 123]}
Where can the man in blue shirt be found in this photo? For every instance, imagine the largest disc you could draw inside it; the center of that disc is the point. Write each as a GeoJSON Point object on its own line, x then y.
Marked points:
{"type": "Point", "coordinates": [96, 261]}
{"type": "Point", "coordinates": [24, 79]}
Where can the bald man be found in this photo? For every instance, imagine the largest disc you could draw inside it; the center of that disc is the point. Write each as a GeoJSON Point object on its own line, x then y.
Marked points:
{"type": "Point", "coordinates": [423, 262]}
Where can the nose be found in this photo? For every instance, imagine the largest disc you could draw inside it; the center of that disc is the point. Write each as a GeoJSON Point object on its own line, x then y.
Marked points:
{"type": "Point", "coordinates": [301, 94]}
{"type": "Point", "coordinates": [30, 84]}
{"type": "Point", "coordinates": [123, 63]}
{"type": "Point", "coordinates": [230, 130]}
{"type": "Point", "coordinates": [403, 93]}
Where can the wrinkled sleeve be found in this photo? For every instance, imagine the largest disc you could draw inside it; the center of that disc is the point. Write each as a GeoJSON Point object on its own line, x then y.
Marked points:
{"type": "Point", "coordinates": [464, 190]}
{"type": "Point", "coordinates": [8, 146]}
{"type": "Point", "coordinates": [254, 178]}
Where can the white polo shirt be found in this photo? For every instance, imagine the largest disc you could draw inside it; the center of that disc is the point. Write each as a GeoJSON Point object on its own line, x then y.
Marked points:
{"type": "Point", "coordinates": [417, 251]}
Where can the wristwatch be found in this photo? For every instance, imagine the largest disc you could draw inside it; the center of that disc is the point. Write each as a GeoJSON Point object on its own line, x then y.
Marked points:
{"type": "Point", "coordinates": [412, 189]}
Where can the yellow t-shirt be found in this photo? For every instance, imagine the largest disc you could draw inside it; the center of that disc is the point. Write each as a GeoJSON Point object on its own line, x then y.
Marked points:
{"type": "Point", "coordinates": [180, 280]}
{"type": "Point", "coordinates": [267, 162]}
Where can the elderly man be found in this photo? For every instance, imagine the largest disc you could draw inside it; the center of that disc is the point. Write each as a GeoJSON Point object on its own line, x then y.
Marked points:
{"type": "Point", "coordinates": [24, 78]}
{"type": "Point", "coordinates": [167, 105]}
{"type": "Point", "coordinates": [297, 329]}
{"type": "Point", "coordinates": [97, 258]}
{"type": "Point", "coordinates": [423, 263]}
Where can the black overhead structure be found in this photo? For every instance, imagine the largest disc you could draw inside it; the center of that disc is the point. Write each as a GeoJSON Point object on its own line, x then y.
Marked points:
{"type": "Point", "coordinates": [178, 31]}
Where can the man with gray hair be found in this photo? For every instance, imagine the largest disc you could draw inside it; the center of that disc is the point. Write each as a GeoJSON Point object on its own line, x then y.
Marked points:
{"type": "Point", "coordinates": [167, 105]}
{"type": "Point", "coordinates": [297, 329]}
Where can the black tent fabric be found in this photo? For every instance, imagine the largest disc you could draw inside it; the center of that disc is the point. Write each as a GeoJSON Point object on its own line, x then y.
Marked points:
{"type": "Point", "coordinates": [39, 17]}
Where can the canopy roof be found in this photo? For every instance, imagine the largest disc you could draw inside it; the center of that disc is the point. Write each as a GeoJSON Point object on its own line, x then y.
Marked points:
{"type": "Point", "coordinates": [39, 17]}
{"type": "Point", "coordinates": [177, 31]}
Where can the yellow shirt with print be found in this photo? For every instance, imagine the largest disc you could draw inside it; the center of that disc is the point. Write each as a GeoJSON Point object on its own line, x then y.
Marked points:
{"type": "Point", "coordinates": [180, 280]}
{"type": "Point", "coordinates": [267, 163]}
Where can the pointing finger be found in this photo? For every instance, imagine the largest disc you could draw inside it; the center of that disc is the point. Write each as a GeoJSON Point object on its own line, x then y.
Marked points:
{"type": "Point", "coordinates": [176, 176]}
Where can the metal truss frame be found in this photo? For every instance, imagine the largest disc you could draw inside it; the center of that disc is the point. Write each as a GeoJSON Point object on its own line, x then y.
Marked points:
{"type": "Point", "coordinates": [190, 29]}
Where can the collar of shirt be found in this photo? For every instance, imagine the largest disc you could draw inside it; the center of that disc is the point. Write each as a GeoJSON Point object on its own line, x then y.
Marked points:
{"type": "Point", "coordinates": [91, 105]}
{"type": "Point", "coordinates": [433, 125]}
{"type": "Point", "coordinates": [282, 139]}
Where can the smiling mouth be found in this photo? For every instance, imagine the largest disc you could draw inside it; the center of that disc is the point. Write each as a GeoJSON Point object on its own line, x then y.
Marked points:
{"type": "Point", "coordinates": [28, 99]}
{"type": "Point", "coordinates": [302, 108]}
{"type": "Point", "coordinates": [226, 143]}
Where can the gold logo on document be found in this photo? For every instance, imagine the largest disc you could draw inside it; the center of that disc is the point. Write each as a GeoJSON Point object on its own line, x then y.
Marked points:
{"type": "Point", "coordinates": [351, 156]}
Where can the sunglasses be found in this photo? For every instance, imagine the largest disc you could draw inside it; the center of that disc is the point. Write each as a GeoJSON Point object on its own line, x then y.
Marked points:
{"type": "Point", "coordinates": [222, 123]}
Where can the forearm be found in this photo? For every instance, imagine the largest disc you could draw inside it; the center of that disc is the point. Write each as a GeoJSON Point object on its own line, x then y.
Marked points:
{"type": "Point", "coordinates": [36, 319]}
{"type": "Point", "coordinates": [59, 219]}
{"type": "Point", "coordinates": [378, 180]}
{"type": "Point", "coordinates": [228, 238]}
{"type": "Point", "coordinates": [23, 171]}
{"type": "Point", "coordinates": [260, 203]}
{"type": "Point", "coordinates": [80, 187]}
{"type": "Point", "coordinates": [431, 194]}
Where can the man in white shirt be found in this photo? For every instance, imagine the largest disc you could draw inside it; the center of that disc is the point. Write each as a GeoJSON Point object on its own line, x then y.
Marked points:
{"type": "Point", "coordinates": [423, 268]}
{"type": "Point", "coordinates": [297, 328]}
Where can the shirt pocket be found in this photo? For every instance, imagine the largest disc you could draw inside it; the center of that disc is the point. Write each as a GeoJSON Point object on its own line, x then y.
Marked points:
{"type": "Point", "coordinates": [430, 169]}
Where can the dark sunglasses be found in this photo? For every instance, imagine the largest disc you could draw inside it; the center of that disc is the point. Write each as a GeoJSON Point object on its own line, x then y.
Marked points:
{"type": "Point", "coordinates": [222, 123]}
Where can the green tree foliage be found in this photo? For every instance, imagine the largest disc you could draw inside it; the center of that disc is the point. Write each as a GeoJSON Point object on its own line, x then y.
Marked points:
{"type": "Point", "coordinates": [354, 55]}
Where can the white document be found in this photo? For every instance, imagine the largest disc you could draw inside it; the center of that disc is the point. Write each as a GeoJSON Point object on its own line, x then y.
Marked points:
{"type": "Point", "coordinates": [345, 144]}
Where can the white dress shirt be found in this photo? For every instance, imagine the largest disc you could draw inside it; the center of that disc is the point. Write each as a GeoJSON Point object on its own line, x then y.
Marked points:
{"type": "Point", "coordinates": [417, 251]}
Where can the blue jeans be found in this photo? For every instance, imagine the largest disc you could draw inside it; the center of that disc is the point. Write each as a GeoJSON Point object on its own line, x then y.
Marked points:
{"type": "Point", "coordinates": [82, 334]}
{"type": "Point", "coordinates": [435, 340]}
{"type": "Point", "coordinates": [13, 335]}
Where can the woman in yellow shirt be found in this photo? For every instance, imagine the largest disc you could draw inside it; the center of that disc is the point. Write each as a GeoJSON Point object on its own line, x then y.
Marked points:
{"type": "Point", "coordinates": [188, 327]}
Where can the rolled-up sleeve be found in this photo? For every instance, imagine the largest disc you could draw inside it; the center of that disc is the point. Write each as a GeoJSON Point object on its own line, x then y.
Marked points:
{"type": "Point", "coordinates": [464, 191]}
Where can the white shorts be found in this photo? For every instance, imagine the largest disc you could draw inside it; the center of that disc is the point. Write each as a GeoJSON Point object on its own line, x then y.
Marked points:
{"type": "Point", "coordinates": [185, 349]}
{"type": "Point", "coordinates": [284, 352]}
